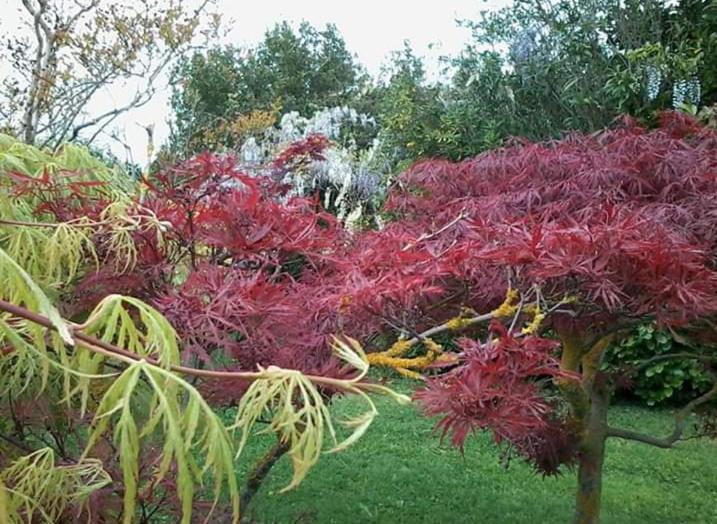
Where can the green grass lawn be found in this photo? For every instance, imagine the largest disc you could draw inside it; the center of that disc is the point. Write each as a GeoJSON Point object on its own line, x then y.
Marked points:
{"type": "Point", "coordinates": [400, 473]}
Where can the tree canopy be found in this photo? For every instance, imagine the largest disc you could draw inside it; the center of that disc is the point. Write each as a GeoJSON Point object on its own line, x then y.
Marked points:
{"type": "Point", "coordinates": [301, 70]}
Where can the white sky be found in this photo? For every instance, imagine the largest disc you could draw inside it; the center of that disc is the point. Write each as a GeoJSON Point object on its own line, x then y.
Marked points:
{"type": "Point", "coordinates": [371, 28]}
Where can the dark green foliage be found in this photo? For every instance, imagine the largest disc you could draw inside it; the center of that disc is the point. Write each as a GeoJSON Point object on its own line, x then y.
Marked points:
{"type": "Point", "coordinates": [532, 70]}
{"type": "Point", "coordinates": [420, 119]}
{"type": "Point", "coordinates": [204, 93]}
{"type": "Point", "coordinates": [304, 70]}
{"type": "Point", "coordinates": [564, 66]}
{"type": "Point", "coordinates": [670, 381]}
{"type": "Point", "coordinates": [409, 109]}
{"type": "Point", "coordinates": [481, 110]}
{"type": "Point", "coordinates": [693, 25]}
{"type": "Point", "coordinates": [296, 70]}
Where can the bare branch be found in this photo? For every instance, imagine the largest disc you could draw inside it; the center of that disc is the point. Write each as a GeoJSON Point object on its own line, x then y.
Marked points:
{"type": "Point", "coordinates": [673, 356]}
{"type": "Point", "coordinates": [681, 421]}
{"type": "Point", "coordinates": [448, 326]}
{"type": "Point", "coordinates": [427, 236]}
{"type": "Point", "coordinates": [77, 48]}
{"type": "Point", "coordinates": [140, 99]}
{"type": "Point", "coordinates": [83, 9]}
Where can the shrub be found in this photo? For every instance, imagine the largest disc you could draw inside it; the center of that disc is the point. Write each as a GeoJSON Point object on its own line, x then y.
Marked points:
{"type": "Point", "coordinates": [664, 381]}
{"type": "Point", "coordinates": [587, 238]}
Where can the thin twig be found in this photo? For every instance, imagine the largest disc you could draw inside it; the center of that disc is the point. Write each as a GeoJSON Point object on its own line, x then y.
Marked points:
{"type": "Point", "coordinates": [672, 356]}
{"type": "Point", "coordinates": [20, 223]}
{"type": "Point", "coordinates": [446, 327]}
{"type": "Point", "coordinates": [19, 445]}
{"type": "Point", "coordinates": [427, 236]}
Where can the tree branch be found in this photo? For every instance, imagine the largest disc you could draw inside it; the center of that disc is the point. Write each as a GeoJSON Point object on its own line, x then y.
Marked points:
{"type": "Point", "coordinates": [19, 445]}
{"type": "Point", "coordinates": [19, 223]}
{"type": "Point", "coordinates": [110, 350]}
{"type": "Point", "coordinates": [258, 474]}
{"type": "Point", "coordinates": [681, 420]}
{"type": "Point", "coordinates": [427, 236]}
{"type": "Point", "coordinates": [673, 356]}
{"type": "Point", "coordinates": [42, 54]}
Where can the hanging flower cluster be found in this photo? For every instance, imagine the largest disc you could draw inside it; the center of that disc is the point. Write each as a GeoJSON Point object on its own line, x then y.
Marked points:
{"type": "Point", "coordinates": [686, 91]}
{"type": "Point", "coordinates": [317, 156]}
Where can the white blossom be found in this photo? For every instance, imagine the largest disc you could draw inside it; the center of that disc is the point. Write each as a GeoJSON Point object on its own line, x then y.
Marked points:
{"type": "Point", "coordinates": [348, 177]}
{"type": "Point", "coordinates": [686, 91]}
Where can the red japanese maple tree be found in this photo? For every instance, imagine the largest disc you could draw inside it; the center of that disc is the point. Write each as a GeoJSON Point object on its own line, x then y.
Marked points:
{"type": "Point", "coordinates": [589, 235]}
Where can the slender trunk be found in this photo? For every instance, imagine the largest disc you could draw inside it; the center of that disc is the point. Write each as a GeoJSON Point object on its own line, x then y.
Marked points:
{"type": "Point", "coordinates": [257, 476]}
{"type": "Point", "coordinates": [592, 455]}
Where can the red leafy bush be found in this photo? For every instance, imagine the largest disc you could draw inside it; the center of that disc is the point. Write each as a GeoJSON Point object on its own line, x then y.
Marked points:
{"type": "Point", "coordinates": [596, 232]}
{"type": "Point", "coordinates": [63, 195]}
{"type": "Point", "coordinates": [301, 152]}
{"type": "Point", "coordinates": [624, 218]}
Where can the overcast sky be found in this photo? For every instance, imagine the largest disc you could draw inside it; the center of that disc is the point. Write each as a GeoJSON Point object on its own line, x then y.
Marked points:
{"type": "Point", "coordinates": [371, 28]}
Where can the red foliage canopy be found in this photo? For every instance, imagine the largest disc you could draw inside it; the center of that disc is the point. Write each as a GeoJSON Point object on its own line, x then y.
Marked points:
{"type": "Point", "coordinates": [622, 222]}
{"type": "Point", "coordinates": [623, 219]}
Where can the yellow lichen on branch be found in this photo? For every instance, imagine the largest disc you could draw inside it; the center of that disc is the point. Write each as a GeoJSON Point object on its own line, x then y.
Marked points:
{"type": "Point", "coordinates": [394, 358]}
{"type": "Point", "coordinates": [534, 324]}
{"type": "Point", "coordinates": [461, 321]}
{"type": "Point", "coordinates": [399, 348]}
{"type": "Point", "coordinates": [508, 307]}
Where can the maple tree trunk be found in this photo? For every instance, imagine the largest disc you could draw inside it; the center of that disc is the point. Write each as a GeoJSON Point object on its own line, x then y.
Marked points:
{"type": "Point", "coordinates": [592, 455]}
{"type": "Point", "coordinates": [589, 400]}
{"type": "Point", "coordinates": [258, 474]}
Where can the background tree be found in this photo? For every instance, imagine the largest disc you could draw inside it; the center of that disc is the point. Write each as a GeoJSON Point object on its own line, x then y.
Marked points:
{"type": "Point", "coordinates": [541, 69]}
{"type": "Point", "coordinates": [692, 24]}
{"type": "Point", "coordinates": [481, 108]}
{"type": "Point", "coordinates": [74, 50]}
{"type": "Point", "coordinates": [301, 70]}
{"type": "Point", "coordinates": [408, 108]}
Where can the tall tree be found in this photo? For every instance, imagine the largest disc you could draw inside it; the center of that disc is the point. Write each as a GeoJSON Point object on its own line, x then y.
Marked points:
{"type": "Point", "coordinates": [301, 70]}
{"type": "Point", "coordinates": [409, 108]}
{"type": "Point", "coordinates": [73, 50]}
{"type": "Point", "coordinates": [586, 237]}
{"type": "Point", "coordinates": [578, 65]}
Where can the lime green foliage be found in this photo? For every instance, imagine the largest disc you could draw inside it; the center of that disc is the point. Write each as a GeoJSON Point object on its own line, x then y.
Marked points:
{"type": "Point", "coordinates": [428, 482]}
{"type": "Point", "coordinates": [668, 380]}
{"type": "Point", "coordinates": [41, 489]}
{"type": "Point", "coordinates": [129, 376]}
{"type": "Point", "coordinates": [150, 336]}
{"type": "Point", "coordinates": [19, 288]}
{"type": "Point", "coordinates": [186, 422]}
{"type": "Point", "coordinates": [16, 156]}
{"type": "Point", "coordinates": [52, 256]}
{"type": "Point", "coordinates": [148, 403]}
